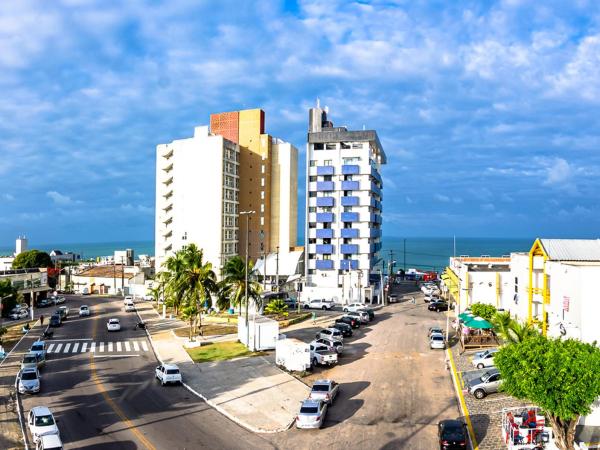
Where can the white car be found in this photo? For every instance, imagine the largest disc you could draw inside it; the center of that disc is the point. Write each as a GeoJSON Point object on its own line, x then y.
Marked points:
{"type": "Point", "coordinates": [168, 373]}
{"type": "Point", "coordinates": [332, 344]}
{"type": "Point", "coordinates": [20, 314]}
{"type": "Point", "coordinates": [353, 307]}
{"type": "Point", "coordinates": [330, 333]}
{"type": "Point", "coordinates": [312, 414]}
{"type": "Point", "coordinates": [437, 341]}
{"type": "Point", "coordinates": [113, 325]}
{"type": "Point", "coordinates": [28, 381]}
{"type": "Point", "coordinates": [127, 299]}
{"type": "Point", "coordinates": [84, 310]}
{"type": "Point", "coordinates": [49, 442]}
{"type": "Point", "coordinates": [41, 422]}
{"type": "Point", "coordinates": [484, 359]}
{"type": "Point", "coordinates": [129, 306]}
{"type": "Point", "coordinates": [319, 304]}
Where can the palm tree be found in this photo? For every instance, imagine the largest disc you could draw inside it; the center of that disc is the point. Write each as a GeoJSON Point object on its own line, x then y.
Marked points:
{"type": "Point", "coordinates": [501, 322]}
{"type": "Point", "coordinates": [521, 331]}
{"type": "Point", "coordinates": [234, 283]}
{"type": "Point", "coordinates": [169, 280]}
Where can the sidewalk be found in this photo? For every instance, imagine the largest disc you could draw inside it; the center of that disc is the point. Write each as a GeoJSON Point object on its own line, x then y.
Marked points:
{"type": "Point", "coordinates": [250, 391]}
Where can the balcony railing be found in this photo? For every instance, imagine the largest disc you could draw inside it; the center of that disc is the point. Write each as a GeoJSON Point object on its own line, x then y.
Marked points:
{"type": "Point", "coordinates": [325, 170]}
{"type": "Point", "coordinates": [324, 264]}
{"type": "Point", "coordinates": [325, 201]}
{"type": "Point", "coordinates": [348, 264]}
{"type": "Point", "coordinates": [326, 249]}
{"type": "Point", "coordinates": [349, 249]}
{"type": "Point", "coordinates": [324, 217]}
{"type": "Point", "coordinates": [168, 182]}
{"type": "Point", "coordinates": [349, 217]}
{"type": "Point", "coordinates": [325, 186]}
{"type": "Point", "coordinates": [168, 195]}
{"type": "Point", "coordinates": [350, 201]}
{"type": "Point", "coordinates": [349, 233]}
{"type": "Point", "coordinates": [168, 168]}
{"type": "Point", "coordinates": [350, 169]}
{"type": "Point", "coordinates": [350, 185]}
{"type": "Point", "coordinates": [324, 233]}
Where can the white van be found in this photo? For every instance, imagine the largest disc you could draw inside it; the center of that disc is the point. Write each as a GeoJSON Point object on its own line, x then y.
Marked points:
{"type": "Point", "coordinates": [129, 306]}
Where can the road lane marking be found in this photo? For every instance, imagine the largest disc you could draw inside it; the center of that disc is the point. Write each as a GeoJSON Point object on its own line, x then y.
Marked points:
{"type": "Point", "coordinates": [75, 347]}
{"type": "Point", "coordinates": [58, 347]}
{"type": "Point", "coordinates": [124, 355]}
{"type": "Point", "coordinates": [144, 346]}
{"type": "Point", "coordinates": [67, 346]}
{"type": "Point", "coordinates": [119, 346]}
{"type": "Point", "coordinates": [50, 347]}
{"type": "Point", "coordinates": [136, 347]}
{"type": "Point", "coordinates": [461, 398]}
{"type": "Point", "coordinates": [127, 348]}
{"type": "Point", "coordinates": [93, 347]}
{"type": "Point", "coordinates": [67, 340]}
{"type": "Point", "coordinates": [84, 347]}
{"type": "Point", "coordinates": [110, 347]}
{"type": "Point", "coordinates": [101, 349]}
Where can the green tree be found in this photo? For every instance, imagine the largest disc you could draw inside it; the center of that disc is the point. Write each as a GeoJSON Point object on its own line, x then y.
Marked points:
{"type": "Point", "coordinates": [278, 307]}
{"type": "Point", "coordinates": [190, 313]}
{"type": "Point", "coordinates": [560, 376]}
{"type": "Point", "coordinates": [234, 283]}
{"type": "Point", "coordinates": [169, 282]}
{"type": "Point", "coordinates": [32, 259]}
{"type": "Point", "coordinates": [9, 296]}
{"type": "Point", "coordinates": [483, 310]}
{"type": "Point", "coordinates": [501, 322]}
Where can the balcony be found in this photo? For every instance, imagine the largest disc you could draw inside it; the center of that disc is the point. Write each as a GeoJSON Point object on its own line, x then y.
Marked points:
{"type": "Point", "coordinates": [349, 217]}
{"type": "Point", "coordinates": [168, 168]}
{"type": "Point", "coordinates": [350, 185]}
{"type": "Point", "coordinates": [325, 186]}
{"type": "Point", "coordinates": [375, 189]}
{"type": "Point", "coordinates": [168, 208]}
{"type": "Point", "coordinates": [349, 264]}
{"type": "Point", "coordinates": [324, 264]}
{"type": "Point", "coordinates": [168, 182]}
{"type": "Point", "coordinates": [350, 201]}
{"type": "Point", "coordinates": [325, 201]}
{"type": "Point", "coordinates": [168, 234]}
{"type": "Point", "coordinates": [350, 169]}
{"type": "Point", "coordinates": [168, 222]}
{"type": "Point", "coordinates": [375, 232]}
{"type": "Point", "coordinates": [375, 218]}
{"type": "Point", "coordinates": [375, 203]}
{"type": "Point", "coordinates": [375, 174]}
{"type": "Point", "coordinates": [349, 233]}
{"type": "Point", "coordinates": [325, 249]}
{"type": "Point", "coordinates": [324, 217]}
{"type": "Point", "coordinates": [324, 233]}
{"type": "Point", "coordinates": [349, 249]}
{"type": "Point", "coordinates": [325, 170]}
{"type": "Point", "coordinates": [168, 248]}
{"type": "Point", "coordinates": [168, 195]}
{"type": "Point", "coordinates": [168, 153]}
{"type": "Point", "coordinates": [375, 247]}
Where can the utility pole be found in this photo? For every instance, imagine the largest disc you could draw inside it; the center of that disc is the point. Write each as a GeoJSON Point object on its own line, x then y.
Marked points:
{"type": "Point", "coordinates": [404, 255]}
{"type": "Point", "coordinates": [277, 269]}
{"type": "Point", "coordinates": [122, 277]}
{"type": "Point", "coordinates": [247, 214]}
{"type": "Point", "coordinates": [114, 278]}
{"type": "Point", "coordinates": [391, 266]}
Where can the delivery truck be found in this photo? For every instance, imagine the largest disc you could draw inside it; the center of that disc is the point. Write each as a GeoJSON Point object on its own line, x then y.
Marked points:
{"type": "Point", "coordinates": [292, 354]}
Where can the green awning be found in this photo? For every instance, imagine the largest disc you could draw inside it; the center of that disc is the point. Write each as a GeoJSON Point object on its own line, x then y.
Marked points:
{"type": "Point", "coordinates": [465, 316]}
{"type": "Point", "coordinates": [478, 322]}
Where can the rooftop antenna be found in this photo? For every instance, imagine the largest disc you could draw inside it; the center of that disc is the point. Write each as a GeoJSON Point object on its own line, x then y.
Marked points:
{"type": "Point", "coordinates": [318, 103]}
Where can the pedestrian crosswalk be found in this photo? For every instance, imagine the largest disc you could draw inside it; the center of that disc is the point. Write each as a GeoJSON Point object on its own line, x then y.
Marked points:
{"type": "Point", "coordinates": [98, 347]}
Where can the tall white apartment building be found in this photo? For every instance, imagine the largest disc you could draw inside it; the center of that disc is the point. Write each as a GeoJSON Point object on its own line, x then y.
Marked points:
{"type": "Point", "coordinates": [343, 211]}
{"type": "Point", "coordinates": [197, 192]}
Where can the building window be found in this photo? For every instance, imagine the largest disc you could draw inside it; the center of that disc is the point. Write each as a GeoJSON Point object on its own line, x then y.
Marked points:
{"type": "Point", "coordinates": [327, 162]}
{"type": "Point", "coordinates": [327, 177]}
{"type": "Point", "coordinates": [262, 221]}
{"type": "Point", "coordinates": [311, 271]}
{"type": "Point", "coordinates": [312, 194]}
{"type": "Point", "coordinates": [326, 208]}
{"type": "Point", "coordinates": [312, 178]}
{"type": "Point", "coordinates": [312, 209]}
{"type": "Point", "coordinates": [318, 146]}
{"type": "Point", "coordinates": [347, 208]}
{"type": "Point", "coordinates": [348, 178]}
{"type": "Point", "coordinates": [357, 145]}
{"type": "Point", "coordinates": [312, 163]}
{"type": "Point", "coordinates": [311, 256]}
{"type": "Point", "coordinates": [345, 145]}
{"type": "Point", "coordinates": [347, 224]}
{"type": "Point", "coordinates": [327, 256]}
{"type": "Point", "coordinates": [312, 225]}
{"type": "Point", "coordinates": [262, 195]}
{"type": "Point", "coordinates": [330, 146]}
{"type": "Point", "coordinates": [347, 193]}
{"type": "Point", "coordinates": [312, 241]}
{"type": "Point", "coordinates": [327, 241]}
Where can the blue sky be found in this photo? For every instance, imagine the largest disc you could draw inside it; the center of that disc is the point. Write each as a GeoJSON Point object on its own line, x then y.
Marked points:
{"type": "Point", "coordinates": [488, 111]}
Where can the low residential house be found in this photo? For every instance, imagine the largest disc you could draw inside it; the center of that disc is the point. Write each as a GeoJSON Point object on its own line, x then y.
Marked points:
{"type": "Point", "coordinates": [103, 279]}
{"type": "Point", "coordinates": [58, 255]}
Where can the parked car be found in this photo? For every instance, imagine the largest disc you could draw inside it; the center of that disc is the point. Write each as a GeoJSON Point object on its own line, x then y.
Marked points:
{"type": "Point", "coordinates": [65, 311]}
{"type": "Point", "coordinates": [484, 359]}
{"type": "Point", "coordinates": [437, 341]}
{"type": "Point", "coordinates": [330, 333]}
{"type": "Point", "coordinates": [312, 414]}
{"type": "Point", "coordinates": [431, 298]}
{"type": "Point", "coordinates": [113, 325]}
{"type": "Point", "coordinates": [58, 300]}
{"type": "Point", "coordinates": [353, 307]}
{"type": "Point", "coordinates": [343, 327]}
{"type": "Point", "coordinates": [362, 316]}
{"type": "Point", "coordinates": [129, 306]}
{"type": "Point", "coordinates": [84, 310]}
{"type": "Point", "coordinates": [168, 373]}
{"type": "Point", "coordinates": [49, 442]}
{"type": "Point", "coordinates": [321, 355]}
{"type": "Point", "coordinates": [55, 320]}
{"type": "Point", "coordinates": [33, 360]}
{"type": "Point", "coordinates": [392, 298]}
{"type": "Point", "coordinates": [438, 306]}
{"type": "Point", "coordinates": [369, 311]}
{"type": "Point", "coordinates": [44, 303]}
{"type": "Point", "coordinates": [62, 313]}
{"type": "Point", "coordinates": [319, 304]}
{"type": "Point", "coordinates": [20, 314]}
{"type": "Point", "coordinates": [332, 344]}
{"type": "Point", "coordinates": [452, 435]}
{"type": "Point", "coordinates": [39, 348]}
{"type": "Point", "coordinates": [41, 422]}
{"type": "Point", "coordinates": [127, 299]}
{"type": "Point", "coordinates": [354, 322]}
{"type": "Point", "coordinates": [487, 384]}
{"type": "Point", "coordinates": [28, 381]}
{"type": "Point", "coordinates": [324, 390]}
{"type": "Point", "coordinates": [435, 330]}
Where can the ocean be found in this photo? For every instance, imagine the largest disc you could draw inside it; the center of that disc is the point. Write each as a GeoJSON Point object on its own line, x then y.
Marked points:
{"type": "Point", "coordinates": [410, 252]}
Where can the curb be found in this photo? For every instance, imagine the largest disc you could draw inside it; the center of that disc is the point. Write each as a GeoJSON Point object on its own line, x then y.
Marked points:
{"type": "Point", "coordinates": [212, 404]}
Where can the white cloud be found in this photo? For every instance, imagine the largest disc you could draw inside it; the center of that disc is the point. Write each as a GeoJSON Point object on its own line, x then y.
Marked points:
{"type": "Point", "coordinates": [8, 197]}
{"type": "Point", "coordinates": [61, 199]}
{"type": "Point", "coordinates": [442, 198]}
{"type": "Point", "coordinates": [128, 207]}
{"type": "Point", "coordinates": [488, 207]}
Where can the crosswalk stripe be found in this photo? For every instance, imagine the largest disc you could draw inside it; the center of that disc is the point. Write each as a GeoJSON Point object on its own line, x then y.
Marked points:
{"type": "Point", "coordinates": [75, 347]}
{"type": "Point", "coordinates": [110, 347]}
{"type": "Point", "coordinates": [67, 347]}
{"type": "Point", "coordinates": [101, 349]}
{"type": "Point", "coordinates": [83, 347]}
{"type": "Point", "coordinates": [136, 347]}
{"type": "Point", "coordinates": [93, 347]}
{"type": "Point", "coordinates": [127, 348]}
{"type": "Point", "coordinates": [118, 346]}
{"type": "Point", "coordinates": [144, 346]}
{"type": "Point", "coordinates": [50, 347]}
{"type": "Point", "coordinates": [58, 347]}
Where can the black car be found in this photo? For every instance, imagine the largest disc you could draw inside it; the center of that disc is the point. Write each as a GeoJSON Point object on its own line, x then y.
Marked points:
{"type": "Point", "coordinates": [44, 303]}
{"type": "Point", "coordinates": [62, 313]}
{"type": "Point", "coordinates": [370, 312]}
{"type": "Point", "coordinates": [452, 434]}
{"type": "Point", "coordinates": [344, 328]}
{"type": "Point", "coordinates": [438, 306]}
{"type": "Point", "coordinates": [55, 320]}
{"type": "Point", "coordinates": [354, 323]}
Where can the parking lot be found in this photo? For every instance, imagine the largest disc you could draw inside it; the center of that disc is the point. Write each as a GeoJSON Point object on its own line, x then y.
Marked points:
{"type": "Point", "coordinates": [394, 389]}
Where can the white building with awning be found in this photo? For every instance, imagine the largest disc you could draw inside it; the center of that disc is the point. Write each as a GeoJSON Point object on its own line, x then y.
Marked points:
{"type": "Point", "coordinates": [283, 268]}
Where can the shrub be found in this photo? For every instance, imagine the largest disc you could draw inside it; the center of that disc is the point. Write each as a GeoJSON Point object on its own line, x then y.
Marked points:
{"type": "Point", "coordinates": [278, 307]}
{"type": "Point", "coordinates": [483, 310]}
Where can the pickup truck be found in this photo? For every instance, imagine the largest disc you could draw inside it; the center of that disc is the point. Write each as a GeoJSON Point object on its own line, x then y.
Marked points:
{"type": "Point", "coordinates": [319, 304]}
{"type": "Point", "coordinates": [321, 355]}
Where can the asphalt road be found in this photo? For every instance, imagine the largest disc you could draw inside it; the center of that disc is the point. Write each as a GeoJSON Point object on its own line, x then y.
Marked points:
{"type": "Point", "coordinates": [109, 399]}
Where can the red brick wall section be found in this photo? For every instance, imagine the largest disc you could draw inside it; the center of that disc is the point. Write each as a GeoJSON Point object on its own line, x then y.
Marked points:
{"type": "Point", "coordinates": [226, 124]}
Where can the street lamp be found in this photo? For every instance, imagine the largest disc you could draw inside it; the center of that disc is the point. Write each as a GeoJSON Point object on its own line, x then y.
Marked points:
{"type": "Point", "coordinates": [247, 214]}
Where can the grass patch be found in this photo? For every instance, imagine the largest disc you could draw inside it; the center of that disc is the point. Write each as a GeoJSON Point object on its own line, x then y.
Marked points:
{"type": "Point", "coordinates": [220, 352]}
{"type": "Point", "coordinates": [12, 336]}
{"type": "Point", "coordinates": [208, 330]}
{"type": "Point", "coordinates": [294, 318]}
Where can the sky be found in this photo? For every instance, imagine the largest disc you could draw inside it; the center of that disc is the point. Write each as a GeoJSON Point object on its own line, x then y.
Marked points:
{"type": "Point", "coordinates": [489, 111]}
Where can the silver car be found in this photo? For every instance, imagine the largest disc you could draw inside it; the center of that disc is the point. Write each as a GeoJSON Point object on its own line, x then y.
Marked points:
{"type": "Point", "coordinates": [28, 381]}
{"type": "Point", "coordinates": [485, 358]}
{"type": "Point", "coordinates": [363, 316]}
{"type": "Point", "coordinates": [312, 414]}
{"type": "Point", "coordinates": [324, 390]}
{"type": "Point", "coordinates": [32, 360]}
{"type": "Point", "coordinates": [333, 344]}
{"type": "Point", "coordinates": [437, 341]}
{"type": "Point", "coordinates": [488, 383]}
{"type": "Point", "coordinates": [330, 333]}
